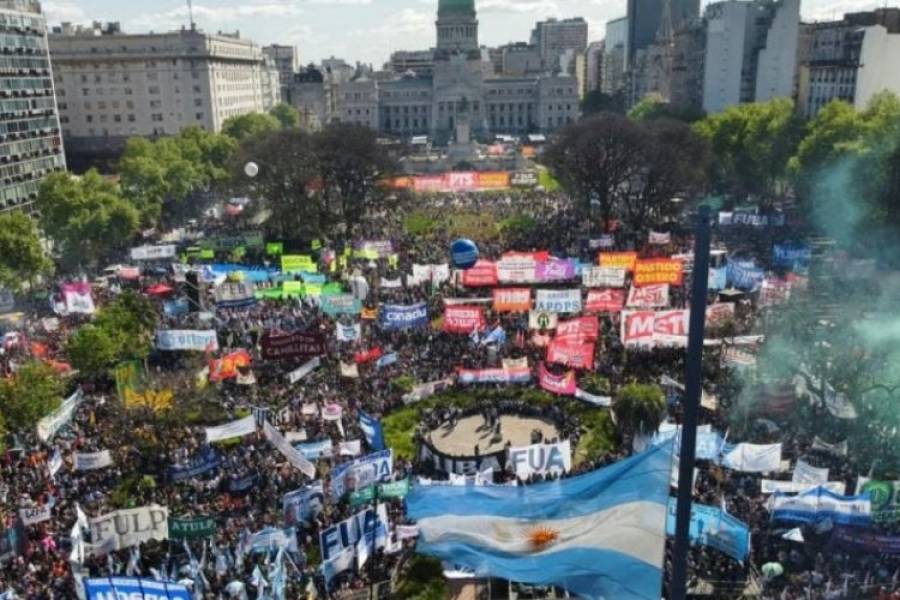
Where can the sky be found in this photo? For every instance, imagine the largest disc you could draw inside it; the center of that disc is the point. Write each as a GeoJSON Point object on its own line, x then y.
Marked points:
{"type": "Point", "coordinates": [362, 30]}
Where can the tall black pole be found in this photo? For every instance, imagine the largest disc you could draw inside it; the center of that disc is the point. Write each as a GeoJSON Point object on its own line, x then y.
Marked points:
{"type": "Point", "coordinates": [691, 402]}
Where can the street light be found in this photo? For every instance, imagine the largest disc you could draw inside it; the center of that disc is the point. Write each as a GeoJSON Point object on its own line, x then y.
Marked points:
{"type": "Point", "coordinates": [251, 169]}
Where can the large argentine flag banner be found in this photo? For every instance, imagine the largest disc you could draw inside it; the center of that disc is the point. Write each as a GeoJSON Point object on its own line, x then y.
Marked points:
{"type": "Point", "coordinates": [599, 535]}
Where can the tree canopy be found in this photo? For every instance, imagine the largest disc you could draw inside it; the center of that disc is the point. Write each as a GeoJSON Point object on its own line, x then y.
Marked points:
{"type": "Point", "coordinates": [86, 217]}
{"type": "Point", "coordinates": [252, 125]}
{"type": "Point", "coordinates": [287, 115]}
{"type": "Point", "coordinates": [31, 394]}
{"type": "Point", "coordinates": [639, 408]}
{"type": "Point", "coordinates": [21, 256]}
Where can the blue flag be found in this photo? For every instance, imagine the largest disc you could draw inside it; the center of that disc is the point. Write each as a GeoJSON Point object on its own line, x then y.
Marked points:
{"type": "Point", "coordinates": [372, 430]}
{"type": "Point", "coordinates": [601, 534]}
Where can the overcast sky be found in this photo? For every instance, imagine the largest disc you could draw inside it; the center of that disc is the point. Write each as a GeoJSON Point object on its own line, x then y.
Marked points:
{"type": "Point", "coordinates": [364, 30]}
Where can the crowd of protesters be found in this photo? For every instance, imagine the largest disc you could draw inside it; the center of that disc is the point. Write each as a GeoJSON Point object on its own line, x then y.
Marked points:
{"type": "Point", "coordinates": [244, 494]}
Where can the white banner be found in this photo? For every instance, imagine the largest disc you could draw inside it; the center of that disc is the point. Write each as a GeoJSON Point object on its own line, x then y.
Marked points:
{"type": "Point", "coordinates": [770, 486]}
{"type": "Point", "coordinates": [603, 277]}
{"type": "Point", "coordinates": [235, 293]}
{"type": "Point", "coordinates": [88, 461]}
{"type": "Point", "coordinates": [130, 527]}
{"type": "Point", "coordinates": [304, 370]}
{"type": "Point", "coordinates": [542, 320]}
{"type": "Point", "coordinates": [426, 390]}
{"type": "Point", "coordinates": [35, 514]}
{"type": "Point", "coordinates": [517, 270]}
{"type": "Point", "coordinates": [351, 448]}
{"type": "Point", "coordinates": [558, 301]}
{"type": "Point", "coordinates": [349, 370]}
{"type": "Point", "coordinates": [838, 449]}
{"type": "Point", "coordinates": [648, 296]}
{"type": "Point", "coordinates": [806, 473]}
{"type": "Point", "coordinates": [238, 428]}
{"type": "Point", "coordinates": [347, 333]}
{"type": "Point", "coordinates": [515, 363]}
{"type": "Point", "coordinates": [605, 401]}
{"type": "Point", "coordinates": [660, 239]}
{"type": "Point", "coordinates": [392, 284]}
{"type": "Point", "coordinates": [753, 458]}
{"type": "Point", "coordinates": [187, 339]}
{"type": "Point", "coordinates": [153, 252]}
{"type": "Point", "coordinates": [289, 452]}
{"type": "Point", "coordinates": [540, 459]}
{"type": "Point", "coordinates": [49, 425]}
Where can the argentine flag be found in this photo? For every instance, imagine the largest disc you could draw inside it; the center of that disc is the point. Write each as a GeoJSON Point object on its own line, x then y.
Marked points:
{"type": "Point", "coordinates": [600, 535]}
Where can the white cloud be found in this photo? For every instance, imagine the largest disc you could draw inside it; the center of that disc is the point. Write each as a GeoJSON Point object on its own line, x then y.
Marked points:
{"type": "Point", "coordinates": [540, 7]}
{"type": "Point", "coordinates": [341, 2]}
{"type": "Point", "coordinates": [63, 11]}
{"type": "Point", "coordinates": [207, 17]}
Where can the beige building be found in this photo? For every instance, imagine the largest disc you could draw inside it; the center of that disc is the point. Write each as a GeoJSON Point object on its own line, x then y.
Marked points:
{"type": "Point", "coordinates": [287, 62]}
{"type": "Point", "coordinates": [113, 85]}
{"type": "Point", "coordinates": [553, 37]}
{"type": "Point", "coordinates": [30, 142]}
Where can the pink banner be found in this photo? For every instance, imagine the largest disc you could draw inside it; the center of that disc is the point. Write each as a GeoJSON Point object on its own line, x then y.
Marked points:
{"type": "Point", "coordinates": [577, 356]}
{"type": "Point", "coordinates": [582, 329]}
{"type": "Point", "coordinates": [562, 385]}
{"type": "Point", "coordinates": [463, 319]}
{"type": "Point", "coordinates": [483, 274]}
{"type": "Point", "coordinates": [556, 270]}
{"type": "Point", "coordinates": [608, 300]}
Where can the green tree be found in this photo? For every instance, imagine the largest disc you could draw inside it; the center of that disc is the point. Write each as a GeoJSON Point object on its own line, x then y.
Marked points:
{"type": "Point", "coordinates": [92, 351]}
{"type": "Point", "coordinates": [751, 145]}
{"type": "Point", "coordinates": [654, 106]}
{"type": "Point", "coordinates": [31, 394]}
{"type": "Point", "coordinates": [252, 125]}
{"type": "Point", "coordinates": [21, 256]}
{"type": "Point", "coordinates": [86, 217]}
{"type": "Point", "coordinates": [287, 115]}
{"type": "Point", "coordinates": [639, 408]}
{"type": "Point", "coordinates": [598, 102]}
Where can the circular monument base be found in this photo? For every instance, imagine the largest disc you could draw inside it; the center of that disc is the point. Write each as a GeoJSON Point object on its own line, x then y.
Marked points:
{"type": "Point", "coordinates": [461, 438]}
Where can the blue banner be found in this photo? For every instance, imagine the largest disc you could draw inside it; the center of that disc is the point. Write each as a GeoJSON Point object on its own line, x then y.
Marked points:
{"type": "Point", "coordinates": [386, 360]}
{"type": "Point", "coordinates": [718, 278]}
{"type": "Point", "coordinates": [792, 255]}
{"type": "Point", "coordinates": [712, 527]}
{"type": "Point", "coordinates": [204, 462]}
{"type": "Point", "coordinates": [243, 484]}
{"type": "Point", "coordinates": [362, 472]}
{"type": "Point", "coordinates": [301, 506]}
{"type": "Point", "coordinates": [371, 428]}
{"type": "Point", "coordinates": [819, 504]}
{"type": "Point", "coordinates": [397, 316]}
{"type": "Point", "coordinates": [744, 277]}
{"type": "Point", "coordinates": [314, 450]}
{"type": "Point", "coordinates": [133, 588]}
{"type": "Point", "coordinates": [174, 308]}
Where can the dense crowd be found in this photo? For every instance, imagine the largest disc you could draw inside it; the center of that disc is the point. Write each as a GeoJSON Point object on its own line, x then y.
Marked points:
{"type": "Point", "coordinates": [244, 494]}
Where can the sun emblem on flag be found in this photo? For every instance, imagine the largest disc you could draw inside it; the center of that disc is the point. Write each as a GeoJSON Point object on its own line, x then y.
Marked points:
{"type": "Point", "coordinates": [541, 537]}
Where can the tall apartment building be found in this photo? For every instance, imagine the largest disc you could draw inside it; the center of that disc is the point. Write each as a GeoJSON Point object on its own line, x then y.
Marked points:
{"type": "Point", "coordinates": [646, 16]}
{"type": "Point", "coordinates": [113, 85]}
{"type": "Point", "coordinates": [30, 142]}
{"type": "Point", "coordinates": [751, 52]}
{"type": "Point", "coordinates": [593, 66]}
{"type": "Point", "coordinates": [553, 37]}
{"type": "Point", "coordinates": [287, 61]}
{"type": "Point", "coordinates": [852, 60]}
{"type": "Point", "coordinates": [615, 56]}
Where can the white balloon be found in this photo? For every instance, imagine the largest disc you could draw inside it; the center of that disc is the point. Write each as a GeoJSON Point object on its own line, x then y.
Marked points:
{"type": "Point", "coordinates": [251, 169]}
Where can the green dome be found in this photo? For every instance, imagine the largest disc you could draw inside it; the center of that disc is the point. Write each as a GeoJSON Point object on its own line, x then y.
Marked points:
{"type": "Point", "coordinates": [456, 7]}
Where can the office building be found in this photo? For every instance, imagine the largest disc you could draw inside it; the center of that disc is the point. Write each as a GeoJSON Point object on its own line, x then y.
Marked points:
{"type": "Point", "coordinates": [420, 62]}
{"type": "Point", "coordinates": [29, 125]}
{"type": "Point", "coordinates": [615, 57]}
{"type": "Point", "coordinates": [287, 61]}
{"type": "Point", "coordinates": [554, 37]}
{"type": "Point", "coordinates": [593, 66]}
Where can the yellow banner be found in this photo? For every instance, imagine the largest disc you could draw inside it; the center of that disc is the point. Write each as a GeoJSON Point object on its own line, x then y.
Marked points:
{"type": "Point", "coordinates": [298, 262]}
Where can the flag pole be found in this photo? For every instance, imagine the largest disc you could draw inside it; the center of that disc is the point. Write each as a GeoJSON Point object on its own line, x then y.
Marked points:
{"type": "Point", "coordinates": [693, 389]}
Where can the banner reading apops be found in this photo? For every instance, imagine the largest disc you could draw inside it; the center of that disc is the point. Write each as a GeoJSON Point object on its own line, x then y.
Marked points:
{"type": "Point", "coordinates": [658, 270]}
{"type": "Point", "coordinates": [558, 301]}
{"type": "Point", "coordinates": [126, 528]}
{"type": "Point", "coordinates": [463, 319]}
{"type": "Point", "coordinates": [619, 260]}
{"type": "Point", "coordinates": [512, 300]}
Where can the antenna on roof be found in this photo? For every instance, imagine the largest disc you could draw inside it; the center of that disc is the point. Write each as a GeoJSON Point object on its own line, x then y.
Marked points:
{"type": "Point", "coordinates": [191, 15]}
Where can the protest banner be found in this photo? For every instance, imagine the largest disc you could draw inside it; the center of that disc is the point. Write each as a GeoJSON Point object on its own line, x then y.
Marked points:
{"type": "Point", "coordinates": [659, 239]}
{"type": "Point", "coordinates": [806, 473]}
{"type": "Point", "coordinates": [718, 314]}
{"type": "Point", "coordinates": [228, 367]}
{"type": "Point", "coordinates": [301, 506]}
{"type": "Point", "coordinates": [555, 270]}
{"type": "Point", "coordinates": [426, 390]}
{"type": "Point", "coordinates": [885, 498]}
{"type": "Point", "coordinates": [540, 459]}
{"type": "Point", "coordinates": [77, 298]}
{"type": "Point", "coordinates": [604, 401]}
{"type": "Point", "coordinates": [605, 300]}
{"type": "Point", "coordinates": [277, 345]}
{"type": "Point", "coordinates": [774, 291]}
{"type": "Point", "coordinates": [227, 243]}
{"type": "Point", "coordinates": [656, 271]}
{"type": "Point", "coordinates": [186, 339]}
{"type": "Point", "coordinates": [153, 252]}
{"type": "Point", "coordinates": [558, 301]}
{"type": "Point", "coordinates": [52, 423]}
{"type": "Point", "coordinates": [542, 320]}
{"type": "Point", "coordinates": [191, 528]}
{"type": "Point", "coordinates": [35, 514]}
{"type": "Point", "coordinates": [398, 316]}
{"type": "Point", "coordinates": [134, 588]}
{"type": "Point", "coordinates": [292, 263]}
{"type": "Point", "coordinates": [574, 355]}
{"type": "Point", "coordinates": [269, 539]}
{"type": "Point", "coordinates": [603, 277]}
{"type": "Point", "coordinates": [561, 385]}
{"type": "Point", "coordinates": [578, 330]}
{"type": "Point", "coordinates": [366, 356]}
{"type": "Point", "coordinates": [518, 375]}
{"type": "Point", "coordinates": [89, 461]}
{"type": "Point", "coordinates": [361, 472]}
{"type": "Point", "coordinates": [869, 542]}
{"type": "Point", "coordinates": [637, 327]}
{"type": "Point", "coordinates": [770, 486]}
{"type": "Point", "coordinates": [350, 370]}
{"type": "Point", "coordinates": [315, 450]}
{"type": "Point", "coordinates": [752, 458]}
{"type": "Point", "coordinates": [129, 527]}
{"type": "Point", "coordinates": [819, 504]}
{"type": "Point", "coordinates": [483, 274]}
{"type": "Point", "coordinates": [340, 304]}
{"type": "Point", "coordinates": [512, 299]}
{"type": "Point", "coordinates": [618, 260]}
{"type": "Point", "coordinates": [712, 527]}
{"type": "Point", "coordinates": [463, 319]}
{"type": "Point", "coordinates": [289, 452]}
{"type": "Point", "coordinates": [670, 327]}
{"type": "Point", "coordinates": [515, 363]}
{"type": "Point", "coordinates": [304, 370]}
{"type": "Point", "coordinates": [648, 296]}
{"type": "Point", "coordinates": [234, 429]}
{"type": "Point", "coordinates": [203, 462]}
{"type": "Point", "coordinates": [517, 269]}
{"type": "Point", "coordinates": [367, 528]}
{"type": "Point", "coordinates": [235, 294]}
{"type": "Point", "coordinates": [347, 333]}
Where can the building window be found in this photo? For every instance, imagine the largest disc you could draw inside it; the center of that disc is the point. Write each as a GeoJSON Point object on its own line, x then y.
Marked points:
{"type": "Point", "coordinates": [131, 118]}
{"type": "Point", "coordinates": [85, 92]}
{"type": "Point", "coordinates": [153, 89]}
{"type": "Point", "coordinates": [156, 118]}
{"type": "Point", "coordinates": [199, 116]}
{"type": "Point", "coordinates": [89, 118]}
{"type": "Point", "coordinates": [156, 104]}
{"type": "Point", "coordinates": [117, 118]}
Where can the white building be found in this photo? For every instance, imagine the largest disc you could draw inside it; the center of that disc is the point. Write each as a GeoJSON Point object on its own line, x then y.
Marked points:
{"type": "Point", "coordinates": [776, 69]}
{"type": "Point", "coordinates": [879, 65]}
{"type": "Point", "coordinates": [287, 61]}
{"type": "Point", "coordinates": [553, 37]}
{"type": "Point", "coordinates": [30, 141]}
{"type": "Point", "coordinates": [113, 85]}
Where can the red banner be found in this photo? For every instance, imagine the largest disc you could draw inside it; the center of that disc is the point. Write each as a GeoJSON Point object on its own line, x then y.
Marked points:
{"type": "Point", "coordinates": [650, 296]}
{"type": "Point", "coordinates": [608, 300]}
{"type": "Point", "coordinates": [719, 313]}
{"type": "Point", "coordinates": [539, 256]}
{"type": "Point", "coordinates": [563, 385]}
{"type": "Point", "coordinates": [582, 329]}
{"type": "Point", "coordinates": [227, 366]}
{"type": "Point", "coordinates": [512, 299]}
{"type": "Point", "coordinates": [463, 319]}
{"type": "Point", "coordinates": [367, 355]}
{"type": "Point", "coordinates": [670, 323]}
{"type": "Point", "coordinates": [658, 270]}
{"type": "Point", "coordinates": [637, 327]}
{"type": "Point", "coordinates": [577, 356]}
{"type": "Point", "coordinates": [483, 274]}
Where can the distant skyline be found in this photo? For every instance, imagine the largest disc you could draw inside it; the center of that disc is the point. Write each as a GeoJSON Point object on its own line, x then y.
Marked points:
{"type": "Point", "coordinates": [362, 30]}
